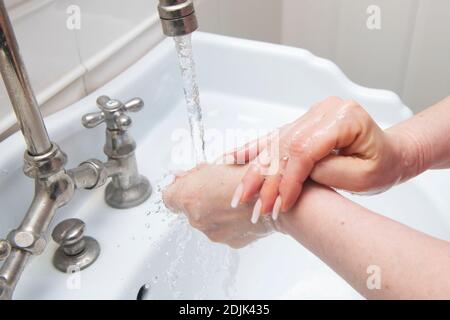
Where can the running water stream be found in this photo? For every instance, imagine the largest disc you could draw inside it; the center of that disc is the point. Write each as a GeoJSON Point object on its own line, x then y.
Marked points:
{"type": "Point", "coordinates": [191, 92]}
{"type": "Point", "coordinates": [210, 260]}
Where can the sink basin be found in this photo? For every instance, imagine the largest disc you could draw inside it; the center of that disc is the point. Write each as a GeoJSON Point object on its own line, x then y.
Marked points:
{"type": "Point", "coordinates": [244, 85]}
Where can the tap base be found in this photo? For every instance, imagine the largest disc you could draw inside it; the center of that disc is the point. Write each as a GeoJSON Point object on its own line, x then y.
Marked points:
{"type": "Point", "coordinates": [121, 198]}
{"type": "Point", "coordinates": [87, 257]}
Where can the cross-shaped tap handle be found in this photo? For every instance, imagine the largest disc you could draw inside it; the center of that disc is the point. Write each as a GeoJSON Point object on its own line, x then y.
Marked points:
{"type": "Point", "coordinates": [113, 113]}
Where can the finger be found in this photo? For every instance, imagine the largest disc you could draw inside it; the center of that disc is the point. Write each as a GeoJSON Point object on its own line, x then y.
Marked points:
{"type": "Point", "coordinates": [297, 170]}
{"type": "Point", "coordinates": [252, 182]}
{"type": "Point", "coordinates": [269, 193]}
{"type": "Point", "coordinates": [304, 151]}
{"type": "Point", "coordinates": [250, 150]}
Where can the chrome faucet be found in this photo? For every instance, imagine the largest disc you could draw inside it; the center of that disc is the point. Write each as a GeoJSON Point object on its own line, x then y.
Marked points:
{"type": "Point", "coordinates": [45, 162]}
{"type": "Point", "coordinates": [177, 17]}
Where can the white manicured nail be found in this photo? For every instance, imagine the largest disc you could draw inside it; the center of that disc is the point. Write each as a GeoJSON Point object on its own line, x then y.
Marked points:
{"type": "Point", "coordinates": [264, 158]}
{"type": "Point", "coordinates": [256, 211]}
{"type": "Point", "coordinates": [276, 208]}
{"type": "Point", "coordinates": [227, 159]}
{"type": "Point", "coordinates": [237, 195]}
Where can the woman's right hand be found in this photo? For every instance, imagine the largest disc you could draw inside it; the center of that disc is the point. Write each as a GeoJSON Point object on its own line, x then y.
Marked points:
{"type": "Point", "coordinates": [202, 195]}
{"type": "Point", "coordinates": [336, 143]}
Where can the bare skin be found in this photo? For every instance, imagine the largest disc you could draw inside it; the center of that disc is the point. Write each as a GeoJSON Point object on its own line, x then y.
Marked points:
{"type": "Point", "coordinates": [346, 236]}
{"type": "Point", "coordinates": [336, 143]}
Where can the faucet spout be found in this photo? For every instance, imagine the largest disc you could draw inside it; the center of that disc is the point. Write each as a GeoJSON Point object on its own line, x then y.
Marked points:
{"type": "Point", "coordinates": [177, 17]}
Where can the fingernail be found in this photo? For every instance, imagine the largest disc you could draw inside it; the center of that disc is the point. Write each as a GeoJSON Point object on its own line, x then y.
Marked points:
{"type": "Point", "coordinates": [227, 159]}
{"type": "Point", "coordinates": [264, 158]}
{"type": "Point", "coordinates": [237, 195]}
{"type": "Point", "coordinates": [256, 211]}
{"type": "Point", "coordinates": [276, 208]}
{"type": "Point", "coordinates": [179, 173]}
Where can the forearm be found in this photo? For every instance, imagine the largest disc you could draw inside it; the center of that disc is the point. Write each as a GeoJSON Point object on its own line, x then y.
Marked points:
{"type": "Point", "coordinates": [350, 238]}
{"type": "Point", "coordinates": [423, 140]}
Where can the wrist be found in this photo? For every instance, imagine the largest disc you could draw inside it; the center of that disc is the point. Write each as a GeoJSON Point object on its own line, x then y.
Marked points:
{"type": "Point", "coordinates": [313, 200]}
{"type": "Point", "coordinates": [412, 152]}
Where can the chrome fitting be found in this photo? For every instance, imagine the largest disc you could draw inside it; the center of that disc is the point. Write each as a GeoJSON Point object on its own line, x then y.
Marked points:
{"type": "Point", "coordinates": [45, 165]}
{"type": "Point", "coordinates": [89, 174]}
{"type": "Point", "coordinates": [5, 249]}
{"type": "Point", "coordinates": [177, 17]}
{"type": "Point", "coordinates": [27, 241]}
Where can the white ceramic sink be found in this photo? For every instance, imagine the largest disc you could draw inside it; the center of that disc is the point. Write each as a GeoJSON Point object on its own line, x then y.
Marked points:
{"type": "Point", "coordinates": [244, 84]}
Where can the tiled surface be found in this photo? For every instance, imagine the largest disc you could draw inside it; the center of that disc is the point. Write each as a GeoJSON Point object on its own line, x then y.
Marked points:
{"type": "Point", "coordinates": [408, 55]}
{"type": "Point", "coordinates": [48, 48]}
{"type": "Point", "coordinates": [251, 19]}
{"type": "Point", "coordinates": [64, 65]}
{"type": "Point", "coordinates": [311, 24]}
{"type": "Point", "coordinates": [106, 21]}
{"type": "Point", "coordinates": [375, 58]}
{"type": "Point", "coordinates": [123, 58]}
{"type": "Point", "coordinates": [337, 30]}
{"type": "Point", "coordinates": [208, 14]}
{"type": "Point", "coordinates": [13, 3]}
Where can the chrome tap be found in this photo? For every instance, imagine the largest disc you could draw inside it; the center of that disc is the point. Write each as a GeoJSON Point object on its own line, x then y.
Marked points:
{"type": "Point", "coordinates": [45, 162]}
{"type": "Point", "coordinates": [127, 188]}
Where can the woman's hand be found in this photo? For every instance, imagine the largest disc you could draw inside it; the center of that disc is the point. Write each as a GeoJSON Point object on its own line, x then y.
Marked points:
{"type": "Point", "coordinates": [346, 236]}
{"type": "Point", "coordinates": [203, 195]}
{"type": "Point", "coordinates": [336, 143]}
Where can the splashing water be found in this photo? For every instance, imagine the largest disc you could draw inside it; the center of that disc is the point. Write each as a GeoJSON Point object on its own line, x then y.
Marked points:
{"type": "Point", "coordinates": [209, 260]}
{"type": "Point", "coordinates": [192, 95]}
{"type": "Point", "coordinates": [210, 265]}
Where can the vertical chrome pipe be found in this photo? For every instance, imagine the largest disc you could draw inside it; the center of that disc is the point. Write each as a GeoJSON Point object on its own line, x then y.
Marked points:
{"type": "Point", "coordinates": [19, 89]}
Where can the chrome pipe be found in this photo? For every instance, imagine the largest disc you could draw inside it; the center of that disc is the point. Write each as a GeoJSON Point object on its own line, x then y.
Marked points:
{"type": "Point", "coordinates": [19, 89]}
{"type": "Point", "coordinates": [11, 271]}
{"type": "Point", "coordinates": [30, 237]}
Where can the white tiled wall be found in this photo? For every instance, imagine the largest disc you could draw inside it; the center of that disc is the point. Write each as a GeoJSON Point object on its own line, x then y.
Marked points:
{"type": "Point", "coordinates": [64, 65]}
{"type": "Point", "coordinates": [409, 55]}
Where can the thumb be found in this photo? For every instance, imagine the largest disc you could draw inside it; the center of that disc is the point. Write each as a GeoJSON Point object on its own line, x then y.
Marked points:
{"type": "Point", "coordinates": [341, 172]}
